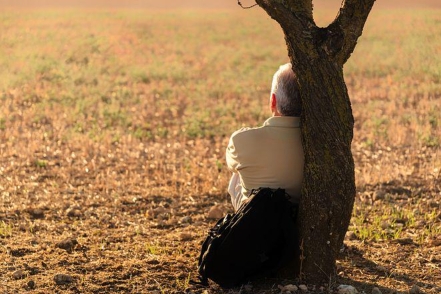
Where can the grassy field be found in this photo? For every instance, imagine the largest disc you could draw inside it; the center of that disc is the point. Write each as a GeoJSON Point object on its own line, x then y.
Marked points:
{"type": "Point", "coordinates": [114, 123]}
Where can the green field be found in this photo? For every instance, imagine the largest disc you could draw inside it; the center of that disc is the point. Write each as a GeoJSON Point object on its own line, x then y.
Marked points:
{"type": "Point", "coordinates": [114, 123]}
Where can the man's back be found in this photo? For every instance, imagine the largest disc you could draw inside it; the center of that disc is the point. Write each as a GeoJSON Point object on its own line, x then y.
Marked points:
{"type": "Point", "coordinates": [268, 156]}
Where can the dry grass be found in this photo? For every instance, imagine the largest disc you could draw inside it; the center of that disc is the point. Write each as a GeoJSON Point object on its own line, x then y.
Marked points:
{"type": "Point", "coordinates": [113, 126]}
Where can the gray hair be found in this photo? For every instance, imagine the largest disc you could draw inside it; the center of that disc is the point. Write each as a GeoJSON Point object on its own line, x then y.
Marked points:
{"type": "Point", "coordinates": [287, 91]}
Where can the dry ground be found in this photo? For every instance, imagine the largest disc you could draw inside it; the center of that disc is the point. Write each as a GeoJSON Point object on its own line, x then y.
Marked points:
{"type": "Point", "coordinates": [110, 164]}
{"type": "Point", "coordinates": [99, 227]}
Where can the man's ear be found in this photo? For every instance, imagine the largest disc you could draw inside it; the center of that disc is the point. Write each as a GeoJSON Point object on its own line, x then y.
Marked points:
{"type": "Point", "coordinates": [273, 102]}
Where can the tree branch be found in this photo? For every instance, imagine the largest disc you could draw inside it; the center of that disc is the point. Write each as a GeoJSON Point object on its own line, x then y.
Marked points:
{"type": "Point", "coordinates": [245, 7]}
{"type": "Point", "coordinates": [351, 20]}
{"type": "Point", "coordinates": [299, 6]}
{"type": "Point", "coordinates": [288, 12]}
{"type": "Point", "coordinates": [295, 18]}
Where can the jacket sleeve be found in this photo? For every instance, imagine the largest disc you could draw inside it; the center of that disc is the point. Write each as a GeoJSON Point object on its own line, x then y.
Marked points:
{"type": "Point", "coordinates": [232, 155]}
{"type": "Point", "coordinates": [235, 149]}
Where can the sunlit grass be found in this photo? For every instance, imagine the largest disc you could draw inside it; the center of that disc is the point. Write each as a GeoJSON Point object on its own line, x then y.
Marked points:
{"type": "Point", "coordinates": [5, 230]}
{"type": "Point", "coordinates": [165, 78]}
{"type": "Point", "coordinates": [114, 70]}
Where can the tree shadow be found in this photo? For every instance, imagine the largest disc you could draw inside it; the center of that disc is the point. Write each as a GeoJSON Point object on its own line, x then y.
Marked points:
{"type": "Point", "coordinates": [373, 271]}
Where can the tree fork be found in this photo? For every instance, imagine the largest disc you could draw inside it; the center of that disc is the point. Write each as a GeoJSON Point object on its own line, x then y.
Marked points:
{"type": "Point", "coordinates": [328, 193]}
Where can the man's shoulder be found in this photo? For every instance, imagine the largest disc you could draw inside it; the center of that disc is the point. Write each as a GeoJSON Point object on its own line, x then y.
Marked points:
{"type": "Point", "coordinates": [246, 132]}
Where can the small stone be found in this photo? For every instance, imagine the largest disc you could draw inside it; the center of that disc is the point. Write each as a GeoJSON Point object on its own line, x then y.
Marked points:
{"type": "Point", "coordinates": [404, 241]}
{"type": "Point", "coordinates": [434, 243]}
{"type": "Point", "coordinates": [384, 225]}
{"type": "Point", "coordinates": [215, 212]}
{"type": "Point", "coordinates": [153, 262]}
{"type": "Point", "coordinates": [303, 288]}
{"type": "Point", "coordinates": [415, 290]}
{"type": "Point", "coordinates": [350, 236]}
{"type": "Point", "coordinates": [33, 270]}
{"type": "Point", "coordinates": [159, 210]}
{"type": "Point", "coordinates": [67, 244]}
{"type": "Point", "coordinates": [19, 274]}
{"type": "Point", "coordinates": [378, 195]}
{"type": "Point", "coordinates": [433, 203]}
{"type": "Point", "coordinates": [36, 213]}
{"type": "Point", "coordinates": [31, 284]}
{"type": "Point", "coordinates": [248, 288]}
{"type": "Point", "coordinates": [170, 220]}
{"type": "Point", "coordinates": [62, 279]}
{"type": "Point", "coordinates": [346, 289]}
{"type": "Point", "coordinates": [185, 237]}
{"type": "Point", "coordinates": [375, 290]}
{"type": "Point", "coordinates": [185, 220]}
{"type": "Point", "coordinates": [74, 212]}
{"type": "Point", "coordinates": [150, 215]}
{"type": "Point", "coordinates": [420, 224]}
{"type": "Point", "coordinates": [288, 288]}
{"type": "Point", "coordinates": [367, 198]}
{"type": "Point", "coordinates": [155, 213]}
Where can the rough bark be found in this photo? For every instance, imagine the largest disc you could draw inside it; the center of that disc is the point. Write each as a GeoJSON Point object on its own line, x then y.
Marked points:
{"type": "Point", "coordinates": [318, 56]}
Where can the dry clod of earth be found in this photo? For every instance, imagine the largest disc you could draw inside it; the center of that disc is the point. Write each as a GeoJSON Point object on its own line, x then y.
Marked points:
{"type": "Point", "coordinates": [434, 243]}
{"type": "Point", "coordinates": [74, 212]}
{"type": "Point", "coordinates": [288, 288]}
{"type": "Point", "coordinates": [31, 284]}
{"type": "Point", "coordinates": [346, 289]}
{"type": "Point", "coordinates": [62, 279]}
{"type": "Point", "coordinates": [185, 237]}
{"type": "Point", "coordinates": [433, 204]}
{"type": "Point", "coordinates": [36, 213]}
{"type": "Point", "coordinates": [381, 268]}
{"type": "Point", "coordinates": [215, 212]}
{"type": "Point", "coordinates": [248, 288]}
{"type": "Point", "coordinates": [19, 274]}
{"type": "Point", "coordinates": [67, 244]}
{"type": "Point", "coordinates": [403, 241]}
{"type": "Point", "coordinates": [415, 290]}
{"type": "Point", "coordinates": [303, 288]}
{"type": "Point", "coordinates": [378, 195]}
{"type": "Point", "coordinates": [185, 220]}
{"type": "Point", "coordinates": [159, 213]}
{"type": "Point", "coordinates": [351, 236]}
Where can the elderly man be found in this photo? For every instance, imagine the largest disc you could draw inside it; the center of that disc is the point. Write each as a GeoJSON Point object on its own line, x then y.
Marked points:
{"type": "Point", "coordinates": [270, 155]}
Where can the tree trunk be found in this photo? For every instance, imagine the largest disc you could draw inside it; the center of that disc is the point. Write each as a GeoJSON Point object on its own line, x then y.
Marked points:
{"type": "Point", "coordinates": [329, 188]}
{"type": "Point", "coordinates": [328, 193]}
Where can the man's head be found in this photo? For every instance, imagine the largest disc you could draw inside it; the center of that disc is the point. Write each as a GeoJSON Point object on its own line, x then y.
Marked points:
{"type": "Point", "coordinates": [285, 95]}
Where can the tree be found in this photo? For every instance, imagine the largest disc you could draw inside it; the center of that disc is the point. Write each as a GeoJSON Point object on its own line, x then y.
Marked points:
{"type": "Point", "coordinates": [328, 193]}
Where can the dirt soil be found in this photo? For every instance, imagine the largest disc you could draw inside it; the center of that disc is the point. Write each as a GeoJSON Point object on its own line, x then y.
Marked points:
{"type": "Point", "coordinates": [65, 231]}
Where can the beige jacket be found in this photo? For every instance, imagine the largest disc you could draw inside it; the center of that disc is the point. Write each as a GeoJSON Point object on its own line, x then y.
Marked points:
{"type": "Point", "coordinates": [268, 156]}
